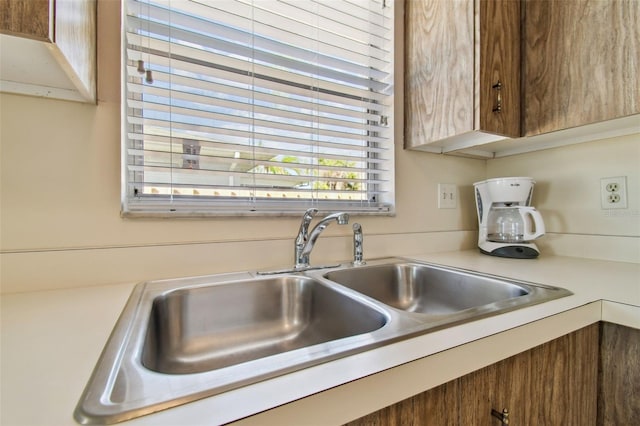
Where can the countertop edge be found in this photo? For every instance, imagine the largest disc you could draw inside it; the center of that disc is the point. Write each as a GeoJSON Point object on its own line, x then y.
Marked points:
{"type": "Point", "coordinates": [355, 399]}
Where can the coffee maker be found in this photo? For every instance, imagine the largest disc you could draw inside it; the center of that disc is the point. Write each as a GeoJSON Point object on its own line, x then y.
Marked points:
{"type": "Point", "coordinates": [507, 222]}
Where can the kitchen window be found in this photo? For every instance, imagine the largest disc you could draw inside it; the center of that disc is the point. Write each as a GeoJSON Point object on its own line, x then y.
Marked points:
{"type": "Point", "coordinates": [241, 107]}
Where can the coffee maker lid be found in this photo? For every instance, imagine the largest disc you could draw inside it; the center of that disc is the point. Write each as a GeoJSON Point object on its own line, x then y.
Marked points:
{"type": "Point", "coordinates": [506, 180]}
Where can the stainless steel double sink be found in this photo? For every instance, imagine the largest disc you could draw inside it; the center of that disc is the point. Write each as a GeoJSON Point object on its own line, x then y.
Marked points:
{"type": "Point", "coordinates": [185, 339]}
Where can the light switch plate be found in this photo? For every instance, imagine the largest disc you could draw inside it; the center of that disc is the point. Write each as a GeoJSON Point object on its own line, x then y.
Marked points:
{"type": "Point", "coordinates": [447, 196]}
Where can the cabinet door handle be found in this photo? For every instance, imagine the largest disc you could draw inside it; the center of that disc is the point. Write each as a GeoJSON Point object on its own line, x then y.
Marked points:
{"type": "Point", "coordinates": [503, 415]}
{"type": "Point", "coordinates": [498, 88]}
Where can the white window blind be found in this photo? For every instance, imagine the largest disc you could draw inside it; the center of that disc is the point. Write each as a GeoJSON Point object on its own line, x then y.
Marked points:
{"type": "Point", "coordinates": [257, 106]}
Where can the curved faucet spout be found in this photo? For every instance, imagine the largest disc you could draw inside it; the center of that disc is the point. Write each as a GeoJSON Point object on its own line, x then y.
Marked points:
{"type": "Point", "coordinates": [305, 242]}
{"type": "Point", "coordinates": [341, 218]}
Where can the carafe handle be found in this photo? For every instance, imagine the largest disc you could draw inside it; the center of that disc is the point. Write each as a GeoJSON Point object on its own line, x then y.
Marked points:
{"type": "Point", "coordinates": [533, 223]}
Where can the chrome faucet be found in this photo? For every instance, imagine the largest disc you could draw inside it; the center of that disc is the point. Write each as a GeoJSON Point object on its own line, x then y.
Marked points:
{"type": "Point", "coordinates": [305, 240]}
{"type": "Point", "coordinates": [358, 239]}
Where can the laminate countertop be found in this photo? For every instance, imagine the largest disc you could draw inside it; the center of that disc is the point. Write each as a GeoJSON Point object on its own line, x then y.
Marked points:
{"type": "Point", "coordinates": [51, 341]}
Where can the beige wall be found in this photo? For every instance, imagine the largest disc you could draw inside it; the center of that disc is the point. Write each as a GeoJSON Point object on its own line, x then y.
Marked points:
{"type": "Point", "coordinates": [60, 223]}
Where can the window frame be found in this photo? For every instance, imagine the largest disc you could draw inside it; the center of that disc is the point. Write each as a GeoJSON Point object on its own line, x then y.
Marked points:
{"type": "Point", "coordinates": [192, 208]}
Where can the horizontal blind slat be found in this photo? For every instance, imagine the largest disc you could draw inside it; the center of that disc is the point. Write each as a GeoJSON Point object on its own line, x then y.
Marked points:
{"type": "Point", "coordinates": [267, 118]}
{"type": "Point", "coordinates": [299, 60]}
{"type": "Point", "coordinates": [200, 90]}
{"type": "Point", "coordinates": [295, 21]}
{"type": "Point", "coordinates": [303, 151]}
{"type": "Point", "coordinates": [272, 37]}
{"type": "Point", "coordinates": [204, 132]}
{"type": "Point", "coordinates": [263, 131]}
{"type": "Point", "coordinates": [280, 108]}
{"type": "Point", "coordinates": [250, 165]}
{"type": "Point", "coordinates": [185, 58]}
{"type": "Point", "coordinates": [234, 81]}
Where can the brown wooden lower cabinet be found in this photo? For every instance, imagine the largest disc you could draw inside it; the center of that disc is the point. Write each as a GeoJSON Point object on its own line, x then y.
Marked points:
{"type": "Point", "coordinates": [503, 385]}
{"type": "Point", "coordinates": [436, 406]}
{"type": "Point", "coordinates": [619, 376]}
{"type": "Point", "coordinates": [588, 377]}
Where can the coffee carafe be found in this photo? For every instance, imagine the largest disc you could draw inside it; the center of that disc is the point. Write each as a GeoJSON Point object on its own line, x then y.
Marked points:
{"type": "Point", "coordinates": [508, 224]}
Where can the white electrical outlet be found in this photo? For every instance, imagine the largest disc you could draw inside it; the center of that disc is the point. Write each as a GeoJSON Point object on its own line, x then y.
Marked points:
{"type": "Point", "coordinates": [613, 192]}
{"type": "Point", "coordinates": [447, 196]}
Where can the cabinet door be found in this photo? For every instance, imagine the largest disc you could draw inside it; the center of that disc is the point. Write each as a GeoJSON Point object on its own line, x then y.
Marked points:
{"type": "Point", "coordinates": [552, 384]}
{"type": "Point", "coordinates": [505, 384]}
{"type": "Point", "coordinates": [565, 379]}
{"type": "Point", "coordinates": [439, 70]}
{"type": "Point", "coordinates": [619, 376]}
{"type": "Point", "coordinates": [555, 383]}
{"type": "Point", "coordinates": [462, 70]}
{"type": "Point", "coordinates": [581, 62]}
{"type": "Point", "coordinates": [25, 18]}
{"type": "Point", "coordinates": [499, 84]}
{"type": "Point", "coordinates": [435, 407]}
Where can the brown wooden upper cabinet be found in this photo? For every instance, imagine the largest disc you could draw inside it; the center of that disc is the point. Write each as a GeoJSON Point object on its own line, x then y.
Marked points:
{"type": "Point", "coordinates": [581, 62]}
{"type": "Point", "coordinates": [26, 18]}
{"type": "Point", "coordinates": [480, 72]}
{"type": "Point", "coordinates": [49, 48]}
{"type": "Point", "coordinates": [462, 72]}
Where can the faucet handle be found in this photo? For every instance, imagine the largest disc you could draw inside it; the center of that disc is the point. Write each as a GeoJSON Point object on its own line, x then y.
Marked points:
{"type": "Point", "coordinates": [306, 220]}
{"type": "Point", "coordinates": [309, 214]}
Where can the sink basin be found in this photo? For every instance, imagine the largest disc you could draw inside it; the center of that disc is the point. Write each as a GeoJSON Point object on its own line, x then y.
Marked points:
{"type": "Point", "coordinates": [201, 329]}
{"type": "Point", "coordinates": [427, 289]}
{"type": "Point", "coordinates": [180, 340]}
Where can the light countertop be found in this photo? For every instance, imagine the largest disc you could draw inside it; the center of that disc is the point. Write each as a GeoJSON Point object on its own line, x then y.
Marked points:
{"type": "Point", "coordinates": [51, 341]}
